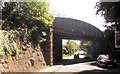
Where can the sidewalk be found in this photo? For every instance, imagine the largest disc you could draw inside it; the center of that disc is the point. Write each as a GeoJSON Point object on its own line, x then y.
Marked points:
{"type": "Point", "coordinates": [53, 68]}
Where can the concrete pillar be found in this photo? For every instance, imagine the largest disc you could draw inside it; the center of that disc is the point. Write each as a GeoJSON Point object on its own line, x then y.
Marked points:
{"type": "Point", "coordinates": [57, 48]}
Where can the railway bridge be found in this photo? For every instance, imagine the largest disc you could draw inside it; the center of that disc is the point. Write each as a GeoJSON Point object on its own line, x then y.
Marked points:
{"type": "Point", "coordinates": [67, 28]}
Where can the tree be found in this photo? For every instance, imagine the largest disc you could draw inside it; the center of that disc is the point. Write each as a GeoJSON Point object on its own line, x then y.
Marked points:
{"type": "Point", "coordinates": [110, 11]}
{"type": "Point", "coordinates": [27, 22]}
{"type": "Point", "coordinates": [71, 47]}
{"type": "Point", "coordinates": [31, 19]}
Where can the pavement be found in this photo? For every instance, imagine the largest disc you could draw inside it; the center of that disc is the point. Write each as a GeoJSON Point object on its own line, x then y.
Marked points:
{"type": "Point", "coordinates": [53, 68]}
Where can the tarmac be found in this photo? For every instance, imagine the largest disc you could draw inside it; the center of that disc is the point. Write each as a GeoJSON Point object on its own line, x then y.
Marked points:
{"type": "Point", "coordinates": [53, 68]}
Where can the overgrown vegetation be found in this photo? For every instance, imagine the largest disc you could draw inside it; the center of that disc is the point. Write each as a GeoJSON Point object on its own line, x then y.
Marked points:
{"type": "Point", "coordinates": [8, 43]}
{"type": "Point", "coordinates": [23, 21]}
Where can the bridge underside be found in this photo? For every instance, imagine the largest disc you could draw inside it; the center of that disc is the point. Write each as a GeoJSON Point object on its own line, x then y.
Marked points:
{"type": "Point", "coordinates": [57, 46]}
{"type": "Point", "coordinates": [74, 36]}
{"type": "Point", "coordinates": [66, 28]}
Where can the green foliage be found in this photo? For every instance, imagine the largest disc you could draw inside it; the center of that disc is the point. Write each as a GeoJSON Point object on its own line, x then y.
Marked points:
{"type": "Point", "coordinates": [30, 18]}
{"type": "Point", "coordinates": [8, 43]}
{"type": "Point", "coordinates": [70, 48]}
{"type": "Point", "coordinates": [110, 11]}
{"type": "Point", "coordinates": [27, 21]}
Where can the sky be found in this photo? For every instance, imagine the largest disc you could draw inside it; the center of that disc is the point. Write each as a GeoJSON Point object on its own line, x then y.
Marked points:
{"type": "Point", "coordinates": [78, 9]}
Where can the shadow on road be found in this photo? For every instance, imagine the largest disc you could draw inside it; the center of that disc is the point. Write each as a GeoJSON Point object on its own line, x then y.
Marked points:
{"type": "Point", "coordinates": [107, 71]}
{"type": "Point", "coordinates": [95, 64]}
{"type": "Point", "coordinates": [73, 61]}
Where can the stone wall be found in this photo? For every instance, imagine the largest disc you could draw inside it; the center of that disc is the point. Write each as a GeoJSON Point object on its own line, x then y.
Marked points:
{"type": "Point", "coordinates": [29, 60]}
{"type": "Point", "coordinates": [32, 57]}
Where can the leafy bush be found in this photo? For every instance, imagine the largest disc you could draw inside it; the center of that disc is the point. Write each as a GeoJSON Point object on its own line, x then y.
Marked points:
{"type": "Point", "coordinates": [8, 43]}
{"type": "Point", "coordinates": [30, 19]}
{"type": "Point", "coordinates": [28, 22]}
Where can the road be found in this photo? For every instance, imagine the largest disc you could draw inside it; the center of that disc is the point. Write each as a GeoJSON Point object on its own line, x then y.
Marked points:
{"type": "Point", "coordinates": [87, 68]}
{"type": "Point", "coordinates": [83, 66]}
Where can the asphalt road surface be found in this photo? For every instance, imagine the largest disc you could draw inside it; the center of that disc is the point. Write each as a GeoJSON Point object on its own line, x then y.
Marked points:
{"type": "Point", "coordinates": [83, 66]}
{"type": "Point", "coordinates": [87, 68]}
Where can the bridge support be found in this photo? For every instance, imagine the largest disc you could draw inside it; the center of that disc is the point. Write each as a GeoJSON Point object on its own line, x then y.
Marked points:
{"type": "Point", "coordinates": [96, 48]}
{"type": "Point", "coordinates": [57, 48]}
{"type": "Point", "coordinates": [47, 47]}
